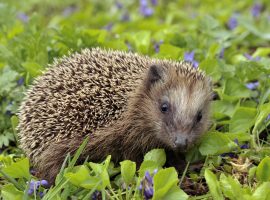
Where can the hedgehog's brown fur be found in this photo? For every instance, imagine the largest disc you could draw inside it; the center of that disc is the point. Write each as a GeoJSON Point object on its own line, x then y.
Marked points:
{"type": "Point", "coordinates": [103, 94]}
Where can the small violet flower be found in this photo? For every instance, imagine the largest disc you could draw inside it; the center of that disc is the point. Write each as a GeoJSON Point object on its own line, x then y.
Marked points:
{"type": "Point", "coordinates": [23, 17]}
{"type": "Point", "coordinates": [108, 27]}
{"type": "Point", "coordinates": [119, 5]}
{"type": "Point", "coordinates": [189, 56]}
{"type": "Point", "coordinates": [256, 10]}
{"type": "Point", "coordinates": [249, 57]}
{"type": "Point", "coordinates": [252, 85]}
{"type": "Point", "coordinates": [34, 186]}
{"type": "Point", "coordinates": [154, 2]}
{"type": "Point", "coordinates": [268, 117]}
{"type": "Point", "coordinates": [221, 53]}
{"type": "Point", "coordinates": [146, 186]}
{"type": "Point", "coordinates": [20, 81]}
{"type": "Point", "coordinates": [145, 10]}
{"type": "Point", "coordinates": [232, 23]}
{"type": "Point", "coordinates": [69, 10]}
{"type": "Point", "coordinates": [125, 17]}
{"type": "Point", "coordinates": [96, 195]}
{"type": "Point", "coordinates": [157, 45]}
{"type": "Point", "coordinates": [244, 146]}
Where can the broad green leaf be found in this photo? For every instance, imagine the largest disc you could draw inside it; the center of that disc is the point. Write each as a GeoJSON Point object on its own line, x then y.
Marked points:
{"type": "Point", "coordinates": [242, 119]}
{"type": "Point", "coordinates": [169, 51]}
{"type": "Point", "coordinates": [142, 41]}
{"type": "Point", "coordinates": [33, 68]}
{"type": "Point", "coordinates": [230, 187]}
{"type": "Point", "coordinates": [213, 184]}
{"type": "Point", "coordinates": [156, 155]}
{"type": "Point", "coordinates": [165, 185]}
{"type": "Point", "coordinates": [19, 169]}
{"type": "Point", "coordinates": [223, 107]}
{"type": "Point", "coordinates": [148, 165]}
{"type": "Point", "coordinates": [263, 170]}
{"type": "Point", "coordinates": [264, 111]}
{"type": "Point", "coordinates": [128, 169]}
{"type": "Point", "coordinates": [211, 68]}
{"type": "Point", "coordinates": [10, 192]}
{"type": "Point", "coordinates": [261, 51]}
{"type": "Point", "coordinates": [236, 89]}
{"type": "Point", "coordinates": [215, 143]}
{"type": "Point", "coordinates": [81, 175]}
{"type": "Point", "coordinates": [262, 192]}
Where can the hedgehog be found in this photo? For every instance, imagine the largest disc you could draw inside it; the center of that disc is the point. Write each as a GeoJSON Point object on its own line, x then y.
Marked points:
{"type": "Point", "coordinates": [126, 103]}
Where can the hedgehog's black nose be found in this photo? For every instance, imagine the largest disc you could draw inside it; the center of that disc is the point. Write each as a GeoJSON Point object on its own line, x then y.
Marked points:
{"type": "Point", "coordinates": [181, 143]}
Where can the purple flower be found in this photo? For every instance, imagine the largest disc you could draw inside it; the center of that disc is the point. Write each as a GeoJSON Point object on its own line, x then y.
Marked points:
{"type": "Point", "coordinates": [69, 10]}
{"type": "Point", "coordinates": [157, 45]}
{"type": "Point", "coordinates": [34, 186]}
{"type": "Point", "coordinates": [145, 10]}
{"type": "Point", "coordinates": [221, 53]}
{"type": "Point", "coordinates": [125, 17]}
{"type": "Point", "coordinates": [30, 191]}
{"type": "Point", "coordinates": [96, 195]}
{"type": "Point", "coordinates": [249, 57]}
{"type": "Point", "coordinates": [129, 46]}
{"type": "Point", "coordinates": [268, 117]}
{"type": "Point", "coordinates": [232, 23]}
{"type": "Point", "coordinates": [252, 85]}
{"type": "Point", "coordinates": [23, 17]}
{"type": "Point", "coordinates": [236, 141]}
{"type": "Point", "coordinates": [231, 155]}
{"type": "Point", "coordinates": [256, 10]}
{"type": "Point", "coordinates": [20, 81]}
{"type": "Point", "coordinates": [154, 2]}
{"type": "Point", "coordinates": [244, 146]}
{"type": "Point", "coordinates": [108, 27]}
{"type": "Point", "coordinates": [146, 186]}
{"type": "Point", "coordinates": [119, 5]}
{"type": "Point", "coordinates": [41, 194]}
{"type": "Point", "coordinates": [189, 56]}
{"type": "Point", "coordinates": [44, 183]}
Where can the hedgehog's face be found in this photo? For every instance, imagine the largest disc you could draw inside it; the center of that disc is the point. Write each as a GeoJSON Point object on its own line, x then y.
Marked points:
{"type": "Point", "coordinates": [180, 104]}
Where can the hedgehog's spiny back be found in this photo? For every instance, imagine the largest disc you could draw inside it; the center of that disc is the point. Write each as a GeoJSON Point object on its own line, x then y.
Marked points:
{"type": "Point", "coordinates": [82, 93]}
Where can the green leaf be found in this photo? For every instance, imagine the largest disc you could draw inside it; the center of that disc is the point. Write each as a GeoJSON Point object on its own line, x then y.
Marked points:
{"type": "Point", "coordinates": [10, 192]}
{"type": "Point", "coordinates": [262, 192]}
{"type": "Point", "coordinates": [236, 89]}
{"type": "Point", "coordinates": [141, 41]}
{"type": "Point", "coordinates": [156, 155]}
{"type": "Point", "coordinates": [19, 169]}
{"type": "Point", "coordinates": [261, 51]}
{"type": "Point", "coordinates": [215, 143]}
{"type": "Point", "coordinates": [165, 185]}
{"type": "Point", "coordinates": [147, 165]}
{"type": "Point", "coordinates": [230, 187]}
{"type": "Point", "coordinates": [263, 170]}
{"type": "Point", "coordinates": [33, 68]}
{"type": "Point", "coordinates": [169, 51]}
{"type": "Point", "coordinates": [264, 111]}
{"type": "Point", "coordinates": [213, 185]}
{"type": "Point", "coordinates": [242, 119]}
{"type": "Point", "coordinates": [211, 68]}
{"type": "Point", "coordinates": [128, 169]}
{"type": "Point", "coordinates": [222, 107]}
{"type": "Point", "coordinates": [80, 176]}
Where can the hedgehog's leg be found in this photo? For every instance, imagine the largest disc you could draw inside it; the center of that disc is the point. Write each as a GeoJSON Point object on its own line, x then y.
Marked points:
{"type": "Point", "coordinates": [51, 160]}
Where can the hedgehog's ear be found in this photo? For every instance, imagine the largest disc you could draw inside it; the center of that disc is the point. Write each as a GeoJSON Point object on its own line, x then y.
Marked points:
{"type": "Point", "coordinates": [154, 75]}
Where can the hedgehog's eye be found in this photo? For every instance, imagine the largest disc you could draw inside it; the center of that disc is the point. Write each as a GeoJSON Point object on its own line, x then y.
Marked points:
{"type": "Point", "coordinates": [164, 107]}
{"type": "Point", "coordinates": [199, 116]}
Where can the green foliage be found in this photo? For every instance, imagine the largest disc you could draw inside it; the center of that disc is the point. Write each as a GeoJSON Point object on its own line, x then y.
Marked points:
{"type": "Point", "coordinates": [232, 155]}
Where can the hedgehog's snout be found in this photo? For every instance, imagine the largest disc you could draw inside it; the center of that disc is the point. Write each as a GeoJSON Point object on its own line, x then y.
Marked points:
{"type": "Point", "coordinates": [181, 142]}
